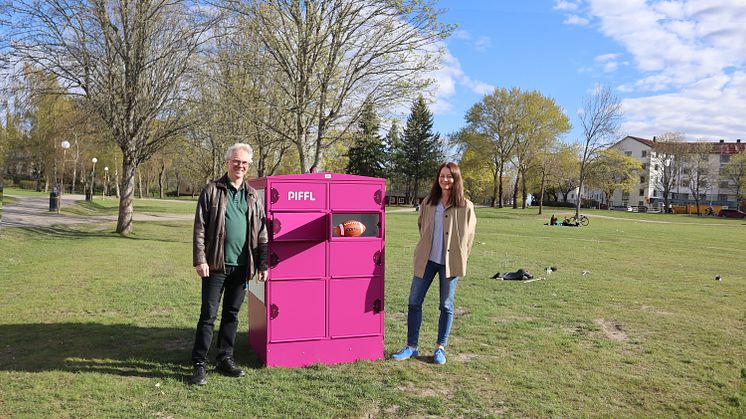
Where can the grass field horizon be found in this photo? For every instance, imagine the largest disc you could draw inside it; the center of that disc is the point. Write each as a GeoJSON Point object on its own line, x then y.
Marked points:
{"type": "Point", "coordinates": [632, 323]}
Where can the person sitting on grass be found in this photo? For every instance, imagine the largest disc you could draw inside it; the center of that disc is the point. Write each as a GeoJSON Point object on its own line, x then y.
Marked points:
{"type": "Point", "coordinates": [568, 223]}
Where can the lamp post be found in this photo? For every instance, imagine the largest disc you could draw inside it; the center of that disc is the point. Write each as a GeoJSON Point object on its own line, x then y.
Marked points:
{"type": "Point", "coordinates": [65, 145]}
{"type": "Point", "coordinates": [93, 176]}
{"type": "Point", "coordinates": [105, 192]}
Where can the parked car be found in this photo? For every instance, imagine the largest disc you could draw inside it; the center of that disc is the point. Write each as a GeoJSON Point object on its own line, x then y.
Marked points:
{"type": "Point", "coordinates": [731, 213]}
{"type": "Point", "coordinates": [621, 208]}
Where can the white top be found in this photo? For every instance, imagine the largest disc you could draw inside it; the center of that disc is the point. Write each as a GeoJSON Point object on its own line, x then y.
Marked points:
{"type": "Point", "coordinates": [437, 254]}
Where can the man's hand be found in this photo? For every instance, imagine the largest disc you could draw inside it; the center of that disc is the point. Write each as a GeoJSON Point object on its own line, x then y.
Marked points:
{"type": "Point", "coordinates": [261, 276]}
{"type": "Point", "coordinates": [203, 270]}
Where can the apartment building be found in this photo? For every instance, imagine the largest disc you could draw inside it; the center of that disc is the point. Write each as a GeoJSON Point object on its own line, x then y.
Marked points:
{"type": "Point", "coordinates": [719, 190]}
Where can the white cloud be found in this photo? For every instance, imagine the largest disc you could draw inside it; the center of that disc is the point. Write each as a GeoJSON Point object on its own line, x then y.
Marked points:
{"type": "Point", "coordinates": [448, 79]}
{"type": "Point", "coordinates": [606, 57]}
{"type": "Point", "coordinates": [710, 108]}
{"type": "Point", "coordinates": [611, 66]}
{"type": "Point", "coordinates": [564, 5]}
{"type": "Point", "coordinates": [576, 20]}
{"type": "Point", "coordinates": [483, 43]}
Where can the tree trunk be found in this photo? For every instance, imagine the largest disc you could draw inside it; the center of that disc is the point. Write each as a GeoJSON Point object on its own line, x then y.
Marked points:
{"type": "Point", "coordinates": [515, 190]}
{"type": "Point", "coordinates": [524, 193]}
{"type": "Point", "coordinates": [161, 178]}
{"type": "Point", "coordinates": [127, 188]}
{"type": "Point", "coordinates": [495, 189]}
{"type": "Point", "coordinates": [541, 191]}
{"type": "Point", "coordinates": [139, 182]}
{"type": "Point", "coordinates": [500, 185]}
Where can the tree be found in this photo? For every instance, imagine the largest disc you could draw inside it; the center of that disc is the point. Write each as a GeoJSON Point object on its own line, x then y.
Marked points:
{"type": "Point", "coordinates": [367, 157]}
{"type": "Point", "coordinates": [599, 118]}
{"type": "Point", "coordinates": [735, 172]}
{"type": "Point", "coordinates": [128, 59]}
{"type": "Point", "coordinates": [477, 171]}
{"type": "Point", "coordinates": [421, 148]}
{"type": "Point", "coordinates": [613, 170]}
{"type": "Point", "coordinates": [667, 163]}
{"type": "Point", "coordinates": [540, 123]}
{"type": "Point", "coordinates": [697, 173]}
{"type": "Point", "coordinates": [495, 118]}
{"type": "Point", "coordinates": [328, 56]}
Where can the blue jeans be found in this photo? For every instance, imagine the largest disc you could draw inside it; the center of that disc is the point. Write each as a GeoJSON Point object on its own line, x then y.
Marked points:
{"type": "Point", "coordinates": [417, 296]}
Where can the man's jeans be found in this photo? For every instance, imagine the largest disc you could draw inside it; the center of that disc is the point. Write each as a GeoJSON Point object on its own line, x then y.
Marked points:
{"type": "Point", "coordinates": [231, 284]}
{"type": "Point", "coordinates": [416, 297]}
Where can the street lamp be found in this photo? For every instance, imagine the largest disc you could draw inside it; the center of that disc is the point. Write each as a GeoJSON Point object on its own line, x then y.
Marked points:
{"type": "Point", "coordinates": [65, 145]}
{"type": "Point", "coordinates": [93, 175]}
{"type": "Point", "coordinates": [106, 182]}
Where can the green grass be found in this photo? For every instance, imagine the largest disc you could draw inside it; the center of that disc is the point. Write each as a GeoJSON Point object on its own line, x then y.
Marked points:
{"type": "Point", "coordinates": [95, 325]}
{"type": "Point", "coordinates": [110, 206]}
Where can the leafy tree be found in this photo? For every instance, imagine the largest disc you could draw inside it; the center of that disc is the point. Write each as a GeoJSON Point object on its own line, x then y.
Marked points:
{"type": "Point", "coordinates": [599, 118]}
{"type": "Point", "coordinates": [477, 171]}
{"type": "Point", "coordinates": [613, 170]}
{"type": "Point", "coordinates": [495, 118]}
{"type": "Point", "coordinates": [420, 147]}
{"type": "Point", "coordinates": [367, 157]}
{"type": "Point", "coordinates": [540, 123]}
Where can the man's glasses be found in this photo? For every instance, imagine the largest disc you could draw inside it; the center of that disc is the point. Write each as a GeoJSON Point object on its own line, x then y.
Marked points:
{"type": "Point", "coordinates": [238, 163]}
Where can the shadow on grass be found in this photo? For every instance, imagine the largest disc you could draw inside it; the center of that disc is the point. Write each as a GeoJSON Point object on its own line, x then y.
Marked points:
{"type": "Point", "coordinates": [116, 349]}
{"type": "Point", "coordinates": [72, 231]}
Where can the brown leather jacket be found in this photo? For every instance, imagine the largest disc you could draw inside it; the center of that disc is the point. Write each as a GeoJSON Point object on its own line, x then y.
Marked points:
{"type": "Point", "coordinates": [209, 228]}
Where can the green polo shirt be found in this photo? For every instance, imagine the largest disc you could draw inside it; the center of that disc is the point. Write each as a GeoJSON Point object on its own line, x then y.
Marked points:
{"type": "Point", "coordinates": [235, 226]}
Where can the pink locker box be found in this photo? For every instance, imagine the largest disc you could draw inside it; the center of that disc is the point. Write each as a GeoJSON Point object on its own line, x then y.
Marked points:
{"type": "Point", "coordinates": [323, 301]}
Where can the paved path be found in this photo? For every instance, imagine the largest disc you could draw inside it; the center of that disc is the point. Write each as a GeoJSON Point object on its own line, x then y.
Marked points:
{"type": "Point", "coordinates": [33, 211]}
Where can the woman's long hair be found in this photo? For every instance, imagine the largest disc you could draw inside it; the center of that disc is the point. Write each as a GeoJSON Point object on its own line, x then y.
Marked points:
{"type": "Point", "coordinates": [457, 191]}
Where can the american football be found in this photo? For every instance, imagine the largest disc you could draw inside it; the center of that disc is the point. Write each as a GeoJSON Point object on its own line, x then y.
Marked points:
{"type": "Point", "coordinates": [350, 228]}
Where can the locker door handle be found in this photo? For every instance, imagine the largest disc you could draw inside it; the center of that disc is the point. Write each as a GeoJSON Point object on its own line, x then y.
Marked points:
{"type": "Point", "coordinates": [377, 306]}
{"type": "Point", "coordinates": [276, 226]}
{"type": "Point", "coordinates": [378, 196]}
{"type": "Point", "coordinates": [274, 311]}
{"type": "Point", "coordinates": [274, 195]}
{"type": "Point", "coordinates": [274, 260]}
{"type": "Point", "coordinates": [377, 258]}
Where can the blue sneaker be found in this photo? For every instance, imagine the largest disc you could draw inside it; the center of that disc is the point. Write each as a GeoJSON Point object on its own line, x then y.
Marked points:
{"type": "Point", "coordinates": [440, 356]}
{"type": "Point", "coordinates": [406, 353]}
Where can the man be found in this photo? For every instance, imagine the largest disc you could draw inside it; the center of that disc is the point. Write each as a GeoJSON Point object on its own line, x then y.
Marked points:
{"type": "Point", "coordinates": [230, 247]}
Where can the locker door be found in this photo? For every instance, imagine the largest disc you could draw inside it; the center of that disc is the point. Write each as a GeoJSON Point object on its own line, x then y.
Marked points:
{"type": "Point", "coordinates": [297, 310]}
{"type": "Point", "coordinates": [297, 260]}
{"type": "Point", "coordinates": [355, 258]}
{"type": "Point", "coordinates": [355, 306]}
{"type": "Point", "coordinates": [309, 226]}
{"type": "Point", "coordinates": [357, 196]}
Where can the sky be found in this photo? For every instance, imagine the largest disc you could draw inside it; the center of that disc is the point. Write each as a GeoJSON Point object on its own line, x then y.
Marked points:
{"type": "Point", "coordinates": [675, 65]}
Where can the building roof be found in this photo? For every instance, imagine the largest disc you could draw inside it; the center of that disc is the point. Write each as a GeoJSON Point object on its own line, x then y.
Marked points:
{"type": "Point", "coordinates": [722, 148]}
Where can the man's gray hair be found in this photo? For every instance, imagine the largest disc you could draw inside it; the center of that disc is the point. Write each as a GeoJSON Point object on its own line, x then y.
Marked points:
{"type": "Point", "coordinates": [239, 146]}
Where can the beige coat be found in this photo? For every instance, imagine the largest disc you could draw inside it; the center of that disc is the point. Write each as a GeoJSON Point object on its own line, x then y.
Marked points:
{"type": "Point", "coordinates": [459, 225]}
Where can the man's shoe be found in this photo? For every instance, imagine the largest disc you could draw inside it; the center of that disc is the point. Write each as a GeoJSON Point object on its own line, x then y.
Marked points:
{"type": "Point", "coordinates": [229, 368]}
{"type": "Point", "coordinates": [406, 353]}
{"type": "Point", "coordinates": [439, 357]}
{"type": "Point", "coordinates": [198, 375]}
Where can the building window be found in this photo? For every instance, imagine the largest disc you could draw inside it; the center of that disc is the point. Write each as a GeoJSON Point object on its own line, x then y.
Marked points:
{"type": "Point", "coordinates": [644, 153]}
{"type": "Point", "coordinates": [724, 158]}
{"type": "Point", "coordinates": [656, 167]}
{"type": "Point", "coordinates": [642, 192]}
{"type": "Point", "coordinates": [655, 193]}
{"type": "Point", "coordinates": [723, 197]}
{"type": "Point", "coordinates": [724, 184]}
{"type": "Point", "coordinates": [627, 153]}
{"type": "Point", "coordinates": [644, 166]}
{"type": "Point", "coordinates": [684, 196]}
{"type": "Point", "coordinates": [625, 195]}
{"type": "Point", "coordinates": [642, 179]}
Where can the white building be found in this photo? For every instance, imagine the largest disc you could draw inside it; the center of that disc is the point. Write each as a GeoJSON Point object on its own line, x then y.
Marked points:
{"type": "Point", "coordinates": [719, 191]}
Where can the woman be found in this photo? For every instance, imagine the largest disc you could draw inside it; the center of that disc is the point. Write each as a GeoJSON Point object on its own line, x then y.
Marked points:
{"type": "Point", "coordinates": [446, 222]}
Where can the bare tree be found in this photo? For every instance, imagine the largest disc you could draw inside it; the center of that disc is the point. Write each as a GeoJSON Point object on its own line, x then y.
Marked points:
{"type": "Point", "coordinates": [127, 58]}
{"type": "Point", "coordinates": [735, 174]}
{"type": "Point", "coordinates": [599, 117]}
{"type": "Point", "coordinates": [329, 56]}
{"type": "Point", "coordinates": [697, 172]}
{"type": "Point", "coordinates": [666, 165]}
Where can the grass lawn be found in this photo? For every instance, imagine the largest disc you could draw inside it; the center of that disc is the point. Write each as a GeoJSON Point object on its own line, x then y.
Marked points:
{"type": "Point", "coordinates": [632, 323]}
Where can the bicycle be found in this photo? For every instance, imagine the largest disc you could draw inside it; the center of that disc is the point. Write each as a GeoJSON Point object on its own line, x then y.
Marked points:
{"type": "Point", "coordinates": [580, 220]}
